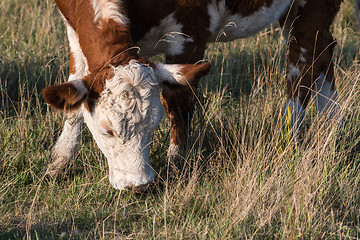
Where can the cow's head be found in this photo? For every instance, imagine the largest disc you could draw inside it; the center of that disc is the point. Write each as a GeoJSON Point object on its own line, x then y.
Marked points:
{"type": "Point", "coordinates": [121, 107]}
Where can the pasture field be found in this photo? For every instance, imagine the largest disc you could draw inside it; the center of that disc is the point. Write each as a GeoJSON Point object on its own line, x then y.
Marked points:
{"type": "Point", "coordinates": [243, 176]}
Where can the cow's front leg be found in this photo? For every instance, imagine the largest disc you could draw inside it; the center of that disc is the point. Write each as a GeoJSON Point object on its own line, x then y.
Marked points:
{"type": "Point", "coordinates": [67, 144]}
{"type": "Point", "coordinates": [179, 102]}
{"type": "Point", "coordinates": [179, 105]}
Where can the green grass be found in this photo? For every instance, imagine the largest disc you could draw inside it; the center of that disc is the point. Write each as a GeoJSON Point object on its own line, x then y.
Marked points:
{"type": "Point", "coordinates": [243, 176]}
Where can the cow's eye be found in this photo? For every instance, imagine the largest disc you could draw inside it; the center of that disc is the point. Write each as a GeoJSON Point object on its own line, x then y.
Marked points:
{"type": "Point", "coordinates": [109, 132]}
{"type": "Point", "coordinates": [106, 129]}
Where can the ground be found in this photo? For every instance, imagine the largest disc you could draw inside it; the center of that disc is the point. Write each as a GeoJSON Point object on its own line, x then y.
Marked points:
{"type": "Point", "coordinates": [243, 175]}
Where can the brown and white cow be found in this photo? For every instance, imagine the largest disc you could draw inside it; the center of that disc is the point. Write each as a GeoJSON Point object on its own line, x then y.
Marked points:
{"type": "Point", "coordinates": [118, 93]}
{"type": "Point", "coordinates": [113, 89]}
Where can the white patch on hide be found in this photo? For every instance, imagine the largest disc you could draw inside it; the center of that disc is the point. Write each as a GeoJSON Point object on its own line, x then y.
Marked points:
{"type": "Point", "coordinates": [325, 98]}
{"type": "Point", "coordinates": [80, 87]}
{"type": "Point", "coordinates": [173, 151]}
{"type": "Point", "coordinates": [109, 9]}
{"type": "Point", "coordinates": [67, 144]}
{"type": "Point", "coordinates": [166, 38]}
{"type": "Point", "coordinates": [81, 64]}
{"type": "Point", "coordinates": [72, 77]}
{"type": "Point", "coordinates": [130, 107]}
{"type": "Point", "coordinates": [127, 98]}
{"type": "Point", "coordinates": [227, 27]}
{"type": "Point", "coordinates": [129, 163]}
{"type": "Point", "coordinates": [293, 72]}
{"type": "Point", "coordinates": [297, 113]}
{"type": "Point", "coordinates": [301, 3]}
{"type": "Point", "coordinates": [216, 12]}
{"type": "Point", "coordinates": [170, 73]}
{"type": "Point", "coordinates": [302, 58]}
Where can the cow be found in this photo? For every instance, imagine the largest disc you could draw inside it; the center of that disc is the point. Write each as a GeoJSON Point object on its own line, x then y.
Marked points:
{"type": "Point", "coordinates": [113, 89]}
{"type": "Point", "coordinates": [116, 89]}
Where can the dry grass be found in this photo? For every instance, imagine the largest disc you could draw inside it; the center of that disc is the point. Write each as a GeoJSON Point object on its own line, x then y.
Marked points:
{"type": "Point", "coordinates": [243, 176]}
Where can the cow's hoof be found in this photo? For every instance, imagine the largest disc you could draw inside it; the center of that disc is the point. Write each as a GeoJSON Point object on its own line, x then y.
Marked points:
{"type": "Point", "coordinates": [54, 167]}
{"type": "Point", "coordinates": [173, 152]}
{"type": "Point", "coordinates": [144, 188]}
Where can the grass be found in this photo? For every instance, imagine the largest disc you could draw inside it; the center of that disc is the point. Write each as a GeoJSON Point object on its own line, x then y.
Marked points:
{"type": "Point", "coordinates": [243, 176]}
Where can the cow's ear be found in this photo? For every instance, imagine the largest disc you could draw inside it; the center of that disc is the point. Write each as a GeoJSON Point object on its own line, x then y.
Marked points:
{"type": "Point", "coordinates": [67, 96]}
{"type": "Point", "coordinates": [181, 74]}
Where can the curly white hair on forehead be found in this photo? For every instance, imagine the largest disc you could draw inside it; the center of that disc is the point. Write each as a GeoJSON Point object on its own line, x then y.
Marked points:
{"type": "Point", "coordinates": [125, 103]}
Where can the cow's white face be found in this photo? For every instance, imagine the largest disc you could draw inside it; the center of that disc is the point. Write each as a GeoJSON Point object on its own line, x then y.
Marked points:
{"type": "Point", "coordinates": [123, 120]}
{"type": "Point", "coordinates": [126, 112]}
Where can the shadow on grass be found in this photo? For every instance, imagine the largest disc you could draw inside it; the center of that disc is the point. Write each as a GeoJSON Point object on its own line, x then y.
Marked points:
{"type": "Point", "coordinates": [22, 80]}
{"type": "Point", "coordinates": [42, 232]}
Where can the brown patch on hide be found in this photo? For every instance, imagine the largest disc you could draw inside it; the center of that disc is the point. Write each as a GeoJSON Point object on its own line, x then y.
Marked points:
{"type": "Point", "coordinates": [154, 10]}
{"type": "Point", "coordinates": [246, 8]}
{"type": "Point", "coordinates": [96, 83]}
{"type": "Point", "coordinates": [191, 3]}
{"type": "Point", "coordinates": [179, 105]}
{"type": "Point", "coordinates": [72, 69]}
{"type": "Point", "coordinates": [311, 31]}
{"type": "Point", "coordinates": [103, 43]}
{"type": "Point", "coordinates": [63, 97]}
{"type": "Point", "coordinates": [193, 72]}
{"type": "Point", "coordinates": [117, 43]}
{"type": "Point", "coordinates": [195, 21]}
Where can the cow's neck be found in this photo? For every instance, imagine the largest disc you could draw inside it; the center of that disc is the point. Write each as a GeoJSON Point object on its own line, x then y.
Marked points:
{"type": "Point", "coordinates": [103, 42]}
